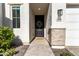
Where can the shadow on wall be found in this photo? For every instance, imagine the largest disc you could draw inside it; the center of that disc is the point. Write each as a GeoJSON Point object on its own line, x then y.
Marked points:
{"type": "Point", "coordinates": [6, 21]}
{"type": "Point", "coordinates": [49, 36]}
{"type": "Point", "coordinates": [17, 42]}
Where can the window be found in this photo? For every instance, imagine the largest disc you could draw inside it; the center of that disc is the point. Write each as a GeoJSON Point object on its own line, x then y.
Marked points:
{"type": "Point", "coordinates": [16, 16]}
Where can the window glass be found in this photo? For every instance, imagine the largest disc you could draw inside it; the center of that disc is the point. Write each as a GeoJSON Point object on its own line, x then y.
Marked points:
{"type": "Point", "coordinates": [14, 22]}
{"type": "Point", "coordinates": [16, 16]}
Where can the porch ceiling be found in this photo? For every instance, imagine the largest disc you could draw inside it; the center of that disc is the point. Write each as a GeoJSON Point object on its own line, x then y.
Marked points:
{"type": "Point", "coordinates": [39, 8]}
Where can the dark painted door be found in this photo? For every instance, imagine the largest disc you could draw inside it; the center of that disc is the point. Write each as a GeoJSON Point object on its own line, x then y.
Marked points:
{"type": "Point", "coordinates": [39, 25]}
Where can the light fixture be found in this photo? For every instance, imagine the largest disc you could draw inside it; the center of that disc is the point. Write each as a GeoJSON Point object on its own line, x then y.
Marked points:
{"type": "Point", "coordinates": [39, 8]}
{"type": "Point", "coordinates": [60, 13]}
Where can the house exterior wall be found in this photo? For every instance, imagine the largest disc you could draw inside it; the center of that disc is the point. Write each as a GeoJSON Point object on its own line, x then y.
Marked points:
{"type": "Point", "coordinates": [70, 22]}
{"type": "Point", "coordinates": [6, 15]}
{"type": "Point", "coordinates": [58, 27]}
{"type": "Point", "coordinates": [55, 23]}
{"type": "Point", "coordinates": [31, 24]}
{"type": "Point", "coordinates": [23, 32]}
{"type": "Point", "coordinates": [71, 26]}
{"type": "Point", "coordinates": [1, 14]}
{"type": "Point", "coordinates": [48, 19]}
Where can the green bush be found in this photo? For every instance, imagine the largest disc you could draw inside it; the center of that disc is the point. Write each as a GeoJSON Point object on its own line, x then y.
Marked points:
{"type": "Point", "coordinates": [2, 50]}
{"type": "Point", "coordinates": [6, 37]}
{"type": "Point", "coordinates": [10, 52]}
{"type": "Point", "coordinates": [66, 54]}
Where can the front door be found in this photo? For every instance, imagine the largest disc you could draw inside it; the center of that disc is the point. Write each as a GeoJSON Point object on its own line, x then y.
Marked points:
{"type": "Point", "coordinates": [39, 25]}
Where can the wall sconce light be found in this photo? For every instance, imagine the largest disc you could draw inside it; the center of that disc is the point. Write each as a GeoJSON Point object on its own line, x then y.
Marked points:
{"type": "Point", "coordinates": [39, 8]}
{"type": "Point", "coordinates": [59, 13]}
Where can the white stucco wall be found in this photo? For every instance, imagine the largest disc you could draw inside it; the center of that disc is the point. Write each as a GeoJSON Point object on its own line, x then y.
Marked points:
{"type": "Point", "coordinates": [31, 24]}
{"type": "Point", "coordinates": [48, 18]}
{"type": "Point", "coordinates": [55, 23]}
{"type": "Point", "coordinates": [45, 20]}
{"type": "Point", "coordinates": [23, 31]}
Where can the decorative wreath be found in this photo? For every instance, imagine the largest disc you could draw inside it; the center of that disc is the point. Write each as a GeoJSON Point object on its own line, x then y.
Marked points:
{"type": "Point", "coordinates": [39, 24]}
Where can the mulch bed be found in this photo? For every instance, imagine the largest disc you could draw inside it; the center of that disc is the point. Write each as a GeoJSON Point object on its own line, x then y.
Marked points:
{"type": "Point", "coordinates": [21, 50]}
{"type": "Point", "coordinates": [62, 52]}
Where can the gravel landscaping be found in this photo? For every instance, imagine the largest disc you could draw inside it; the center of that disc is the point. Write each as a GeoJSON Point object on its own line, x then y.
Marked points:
{"type": "Point", "coordinates": [62, 52]}
{"type": "Point", "coordinates": [21, 50]}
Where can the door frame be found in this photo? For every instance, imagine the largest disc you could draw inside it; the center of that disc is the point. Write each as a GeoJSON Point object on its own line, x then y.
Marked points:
{"type": "Point", "coordinates": [43, 25]}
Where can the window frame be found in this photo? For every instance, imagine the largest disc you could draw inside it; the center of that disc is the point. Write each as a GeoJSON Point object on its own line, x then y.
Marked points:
{"type": "Point", "coordinates": [15, 7]}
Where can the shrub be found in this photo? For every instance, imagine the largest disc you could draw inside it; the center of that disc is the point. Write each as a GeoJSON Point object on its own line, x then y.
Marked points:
{"type": "Point", "coordinates": [66, 54]}
{"type": "Point", "coordinates": [2, 50]}
{"type": "Point", "coordinates": [6, 37]}
{"type": "Point", "coordinates": [10, 52]}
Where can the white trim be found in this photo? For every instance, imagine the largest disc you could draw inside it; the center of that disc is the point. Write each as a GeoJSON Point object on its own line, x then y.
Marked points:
{"type": "Point", "coordinates": [15, 3]}
{"type": "Point", "coordinates": [58, 47]}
